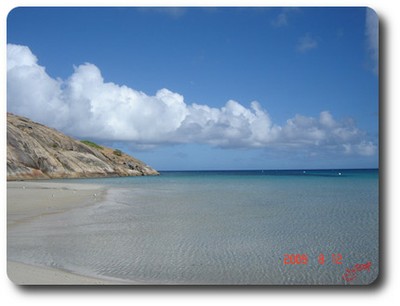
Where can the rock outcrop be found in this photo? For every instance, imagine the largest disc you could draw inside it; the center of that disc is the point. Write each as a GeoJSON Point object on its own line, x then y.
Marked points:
{"type": "Point", "coordinates": [35, 151]}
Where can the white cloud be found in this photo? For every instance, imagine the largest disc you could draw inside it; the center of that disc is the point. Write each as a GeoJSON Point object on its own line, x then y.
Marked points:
{"type": "Point", "coordinates": [306, 43]}
{"type": "Point", "coordinates": [30, 89]}
{"type": "Point", "coordinates": [87, 107]}
{"type": "Point", "coordinates": [326, 119]}
{"type": "Point", "coordinates": [366, 148]}
{"type": "Point", "coordinates": [363, 148]}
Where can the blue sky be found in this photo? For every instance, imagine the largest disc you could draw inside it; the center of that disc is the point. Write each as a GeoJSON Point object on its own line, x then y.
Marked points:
{"type": "Point", "coordinates": [203, 88]}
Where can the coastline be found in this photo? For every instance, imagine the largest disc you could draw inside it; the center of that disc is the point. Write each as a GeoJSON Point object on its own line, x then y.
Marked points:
{"type": "Point", "coordinates": [27, 200]}
{"type": "Point", "coordinates": [26, 274]}
{"type": "Point", "coordinates": [31, 199]}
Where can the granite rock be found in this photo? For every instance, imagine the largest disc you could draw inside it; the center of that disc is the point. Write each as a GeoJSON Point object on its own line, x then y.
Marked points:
{"type": "Point", "coordinates": [35, 151]}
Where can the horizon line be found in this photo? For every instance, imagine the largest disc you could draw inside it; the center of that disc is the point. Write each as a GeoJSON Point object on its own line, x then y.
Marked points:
{"type": "Point", "coordinates": [294, 169]}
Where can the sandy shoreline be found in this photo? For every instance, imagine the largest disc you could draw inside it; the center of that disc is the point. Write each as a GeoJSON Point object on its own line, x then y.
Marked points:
{"type": "Point", "coordinates": [24, 274]}
{"type": "Point", "coordinates": [27, 200]}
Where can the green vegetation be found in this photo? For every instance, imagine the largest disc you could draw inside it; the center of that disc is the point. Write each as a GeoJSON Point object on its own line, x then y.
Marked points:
{"type": "Point", "coordinates": [92, 144]}
{"type": "Point", "coordinates": [117, 152]}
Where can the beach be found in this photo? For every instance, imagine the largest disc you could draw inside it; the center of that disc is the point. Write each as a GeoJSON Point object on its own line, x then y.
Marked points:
{"type": "Point", "coordinates": [24, 274]}
{"type": "Point", "coordinates": [32, 200]}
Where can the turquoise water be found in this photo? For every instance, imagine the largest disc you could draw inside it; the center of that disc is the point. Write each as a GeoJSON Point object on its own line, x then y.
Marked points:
{"type": "Point", "coordinates": [215, 227]}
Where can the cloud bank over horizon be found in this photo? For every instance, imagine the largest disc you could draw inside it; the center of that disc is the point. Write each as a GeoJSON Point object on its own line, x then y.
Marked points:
{"type": "Point", "coordinates": [86, 106]}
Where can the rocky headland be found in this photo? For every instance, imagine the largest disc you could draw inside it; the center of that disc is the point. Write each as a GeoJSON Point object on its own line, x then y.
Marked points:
{"type": "Point", "coordinates": [35, 151]}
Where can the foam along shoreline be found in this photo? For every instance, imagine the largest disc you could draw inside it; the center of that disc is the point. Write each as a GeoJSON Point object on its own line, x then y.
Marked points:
{"type": "Point", "coordinates": [27, 200]}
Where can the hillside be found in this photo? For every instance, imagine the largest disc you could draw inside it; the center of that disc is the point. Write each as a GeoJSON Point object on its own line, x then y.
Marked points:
{"type": "Point", "coordinates": [35, 151]}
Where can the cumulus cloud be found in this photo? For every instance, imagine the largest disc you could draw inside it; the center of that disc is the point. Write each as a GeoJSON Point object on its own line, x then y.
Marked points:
{"type": "Point", "coordinates": [30, 89]}
{"type": "Point", "coordinates": [86, 106]}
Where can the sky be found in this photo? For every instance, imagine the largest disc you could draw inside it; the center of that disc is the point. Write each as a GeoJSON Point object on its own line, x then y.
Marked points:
{"type": "Point", "coordinates": [203, 88]}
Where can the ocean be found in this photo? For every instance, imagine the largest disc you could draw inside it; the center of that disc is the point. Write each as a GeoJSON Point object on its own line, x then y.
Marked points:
{"type": "Point", "coordinates": [275, 227]}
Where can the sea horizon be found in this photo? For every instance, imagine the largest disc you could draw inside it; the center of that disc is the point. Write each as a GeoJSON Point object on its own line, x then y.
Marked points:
{"type": "Point", "coordinates": [267, 169]}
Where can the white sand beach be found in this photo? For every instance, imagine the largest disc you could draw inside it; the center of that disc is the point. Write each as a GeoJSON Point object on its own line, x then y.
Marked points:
{"type": "Point", "coordinates": [24, 274]}
{"type": "Point", "coordinates": [30, 199]}
{"type": "Point", "coordinates": [27, 200]}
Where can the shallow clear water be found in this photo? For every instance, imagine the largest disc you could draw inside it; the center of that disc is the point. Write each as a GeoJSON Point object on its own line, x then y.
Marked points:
{"type": "Point", "coordinates": [224, 227]}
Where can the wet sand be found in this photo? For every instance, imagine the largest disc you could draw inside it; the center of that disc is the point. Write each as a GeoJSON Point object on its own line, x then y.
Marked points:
{"type": "Point", "coordinates": [23, 274]}
{"type": "Point", "coordinates": [31, 199]}
{"type": "Point", "coordinates": [28, 200]}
